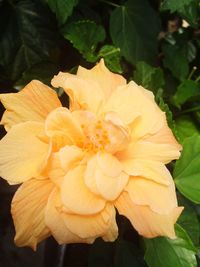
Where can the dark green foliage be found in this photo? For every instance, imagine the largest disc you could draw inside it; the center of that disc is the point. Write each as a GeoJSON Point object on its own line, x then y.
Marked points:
{"type": "Point", "coordinates": [134, 35]}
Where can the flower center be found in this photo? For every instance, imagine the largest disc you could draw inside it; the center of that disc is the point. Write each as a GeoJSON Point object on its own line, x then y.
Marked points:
{"type": "Point", "coordinates": [96, 136]}
{"type": "Point", "coordinates": [104, 135]}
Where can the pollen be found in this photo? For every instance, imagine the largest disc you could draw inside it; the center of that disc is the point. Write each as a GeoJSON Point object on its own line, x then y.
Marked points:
{"type": "Point", "coordinates": [96, 136]}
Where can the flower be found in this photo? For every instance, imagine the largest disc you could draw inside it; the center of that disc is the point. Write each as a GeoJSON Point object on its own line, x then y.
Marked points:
{"type": "Point", "coordinates": [77, 166]}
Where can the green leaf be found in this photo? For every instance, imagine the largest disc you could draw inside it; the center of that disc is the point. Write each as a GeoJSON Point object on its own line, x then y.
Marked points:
{"type": "Point", "coordinates": [164, 107]}
{"type": "Point", "coordinates": [165, 252]}
{"type": "Point", "coordinates": [85, 36]}
{"type": "Point", "coordinates": [175, 60]}
{"type": "Point", "coordinates": [27, 35]}
{"type": "Point", "coordinates": [189, 221]}
{"type": "Point", "coordinates": [185, 91]}
{"type": "Point", "coordinates": [112, 57]}
{"type": "Point", "coordinates": [149, 77]}
{"type": "Point", "coordinates": [187, 169]}
{"type": "Point", "coordinates": [174, 6]}
{"type": "Point", "coordinates": [185, 127]}
{"type": "Point", "coordinates": [62, 8]}
{"type": "Point", "coordinates": [134, 28]}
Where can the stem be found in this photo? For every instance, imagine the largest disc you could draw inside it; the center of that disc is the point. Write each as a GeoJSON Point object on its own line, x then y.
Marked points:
{"type": "Point", "coordinates": [192, 72]}
{"type": "Point", "coordinates": [109, 3]}
{"type": "Point", "coordinates": [190, 110]}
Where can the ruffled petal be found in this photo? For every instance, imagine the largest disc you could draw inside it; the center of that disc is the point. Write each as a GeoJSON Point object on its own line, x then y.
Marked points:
{"type": "Point", "coordinates": [89, 226]}
{"type": "Point", "coordinates": [23, 154]}
{"type": "Point", "coordinates": [107, 80]}
{"type": "Point", "coordinates": [70, 156]}
{"type": "Point", "coordinates": [33, 103]}
{"type": "Point", "coordinates": [144, 150]}
{"type": "Point", "coordinates": [63, 128]}
{"type": "Point", "coordinates": [131, 102]}
{"type": "Point", "coordinates": [89, 175]}
{"type": "Point", "coordinates": [153, 170]}
{"type": "Point", "coordinates": [109, 164]}
{"type": "Point", "coordinates": [104, 176]}
{"type": "Point", "coordinates": [160, 198]}
{"type": "Point", "coordinates": [54, 170]}
{"type": "Point", "coordinates": [148, 223]}
{"type": "Point", "coordinates": [83, 94]}
{"type": "Point", "coordinates": [163, 136]}
{"type": "Point", "coordinates": [77, 197]}
{"type": "Point", "coordinates": [110, 187]}
{"type": "Point", "coordinates": [56, 224]}
{"type": "Point", "coordinates": [28, 212]}
{"type": "Point", "coordinates": [112, 232]}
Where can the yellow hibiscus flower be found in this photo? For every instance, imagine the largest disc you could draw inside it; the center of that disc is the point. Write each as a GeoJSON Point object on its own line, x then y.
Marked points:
{"type": "Point", "coordinates": [77, 166]}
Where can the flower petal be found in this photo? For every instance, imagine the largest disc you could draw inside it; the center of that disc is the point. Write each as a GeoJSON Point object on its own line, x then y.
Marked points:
{"type": "Point", "coordinates": [89, 175]}
{"type": "Point", "coordinates": [112, 232]}
{"type": "Point", "coordinates": [23, 154]}
{"type": "Point", "coordinates": [107, 80]}
{"type": "Point", "coordinates": [89, 226]}
{"type": "Point", "coordinates": [153, 170]}
{"type": "Point", "coordinates": [28, 206]}
{"type": "Point", "coordinates": [54, 170]}
{"type": "Point", "coordinates": [64, 129]}
{"type": "Point", "coordinates": [160, 198]}
{"type": "Point", "coordinates": [33, 103]}
{"type": "Point", "coordinates": [56, 224]}
{"type": "Point", "coordinates": [110, 187]}
{"type": "Point", "coordinates": [70, 156]}
{"type": "Point", "coordinates": [148, 223]}
{"type": "Point", "coordinates": [144, 150]}
{"type": "Point", "coordinates": [76, 196]}
{"type": "Point", "coordinates": [131, 102]}
{"type": "Point", "coordinates": [163, 136]}
{"type": "Point", "coordinates": [104, 176]}
{"type": "Point", "coordinates": [109, 164]}
{"type": "Point", "coordinates": [83, 94]}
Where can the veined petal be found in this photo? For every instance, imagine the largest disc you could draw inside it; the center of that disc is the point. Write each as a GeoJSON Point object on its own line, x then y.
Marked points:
{"type": "Point", "coordinates": [70, 156]}
{"type": "Point", "coordinates": [148, 223]}
{"type": "Point", "coordinates": [76, 196]}
{"type": "Point", "coordinates": [62, 127]}
{"type": "Point", "coordinates": [144, 150]}
{"type": "Point", "coordinates": [23, 154]}
{"type": "Point", "coordinates": [160, 198]}
{"type": "Point", "coordinates": [55, 222]}
{"type": "Point", "coordinates": [107, 80]}
{"type": "Point", "coordinates": [28, 206]}
{"type": "Point", "coordinates": [83, 94]}
{"type": "Point", "coordinates": [33, 103]}
{"type": "Point", "coordinates": [89, 226]}
{"type": "Point", "coordinates": [153, 170]}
